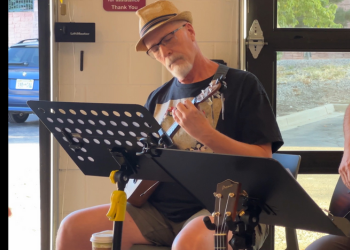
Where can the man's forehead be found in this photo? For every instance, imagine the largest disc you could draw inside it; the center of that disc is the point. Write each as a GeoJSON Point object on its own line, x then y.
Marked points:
{"type": "Point", "coordinates": [161, 32]}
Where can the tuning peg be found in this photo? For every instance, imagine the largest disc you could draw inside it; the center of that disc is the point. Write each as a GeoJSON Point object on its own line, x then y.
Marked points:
{"type": "Point", "coordinates": [217, 195]}
{"type": "Point", "coordinates": [222, 80]}
{"type": "Point", "coordinates": [208, 223]}
{"type": "Point", "coordinates": [230, 224]}
{"type": "Point", "coordinates": [215, 214]}
{"type": "Point", "coordinates": [244, 193]}
{"type": "Point", "coordinates": [241, 212]}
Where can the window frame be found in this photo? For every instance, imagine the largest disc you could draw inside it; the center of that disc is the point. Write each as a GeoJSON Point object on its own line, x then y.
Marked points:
{"type": "Point", "coordinates": [292, 39]}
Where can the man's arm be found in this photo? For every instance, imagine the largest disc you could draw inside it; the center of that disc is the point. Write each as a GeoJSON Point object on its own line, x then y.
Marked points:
{"type": "Point", "coordinates": [344, 168]}
{"type": "Point", "coordinates": [196, 125]}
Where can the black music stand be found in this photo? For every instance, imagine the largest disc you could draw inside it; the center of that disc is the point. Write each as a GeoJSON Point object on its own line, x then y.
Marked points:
{"type": "Point", "coordinates": [101, 138]}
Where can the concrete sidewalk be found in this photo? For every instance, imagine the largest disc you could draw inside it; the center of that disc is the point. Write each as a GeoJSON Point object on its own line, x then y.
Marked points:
{"type": "Point", "coordinates": [310, 116]}
{"type": "Point", "coordinates": [320, 128]}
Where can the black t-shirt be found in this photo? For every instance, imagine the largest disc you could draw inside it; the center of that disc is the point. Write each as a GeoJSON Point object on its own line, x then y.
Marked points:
{"type": "Point", "coordinates": [242, 112]}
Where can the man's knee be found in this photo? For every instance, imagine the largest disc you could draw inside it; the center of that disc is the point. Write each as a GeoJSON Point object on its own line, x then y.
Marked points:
{"type": "Point", "coordinates": [333, 242]}
{"type": "Point", "coordinates": [70, 224]}
{"type": "Point", "coordinates": [194, 236]}
{"type": "Point", "coordinates": [82, 223]}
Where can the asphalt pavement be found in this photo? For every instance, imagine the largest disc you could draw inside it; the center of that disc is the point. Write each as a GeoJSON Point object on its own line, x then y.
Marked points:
{"type": "Point", "coordinates": [27, 132]}
{"type": "Point", "coordinates": [327, 132]}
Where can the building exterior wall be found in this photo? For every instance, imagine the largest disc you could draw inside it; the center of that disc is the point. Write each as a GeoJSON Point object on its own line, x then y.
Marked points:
{"type": "Point", "coordinates": [314, 55]}
{"type": "Point", "coordinates": [345, 4]}
{"type": "Point", "coordinates": [22, 25]}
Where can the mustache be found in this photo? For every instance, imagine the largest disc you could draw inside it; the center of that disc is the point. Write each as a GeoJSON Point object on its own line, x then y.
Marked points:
{"type": "Point", "coordinates": [171, 60]}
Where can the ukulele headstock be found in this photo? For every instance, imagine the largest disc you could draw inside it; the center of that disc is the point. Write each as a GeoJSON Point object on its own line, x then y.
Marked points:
{"type": "Point", "coordinates": [209, 91]}
{"type": "Point", "coordinates": [226, 200]}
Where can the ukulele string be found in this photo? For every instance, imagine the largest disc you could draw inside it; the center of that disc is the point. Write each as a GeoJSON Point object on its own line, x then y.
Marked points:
{"type": "Point", "coordinates": [223, 227]}
{"type": "Point", "coordinates": [224, 221]}
{"type": "Point", "coordinates": [217, 222]}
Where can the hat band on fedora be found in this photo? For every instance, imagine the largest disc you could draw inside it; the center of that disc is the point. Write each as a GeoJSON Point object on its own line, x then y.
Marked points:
{"type": "Point", "coordinates": [153, 22]}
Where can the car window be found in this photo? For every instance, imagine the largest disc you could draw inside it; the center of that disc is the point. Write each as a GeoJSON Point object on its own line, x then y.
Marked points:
{"type": "Point", "coordinates": [26, 56]}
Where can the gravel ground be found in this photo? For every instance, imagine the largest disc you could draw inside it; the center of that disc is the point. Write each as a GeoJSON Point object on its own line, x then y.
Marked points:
{"type": "Point", "coordinates": [306, 84]}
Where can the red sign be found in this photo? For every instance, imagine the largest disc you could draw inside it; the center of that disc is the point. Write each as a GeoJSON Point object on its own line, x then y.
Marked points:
{"type": "Point", "coordinates": [123, 5]}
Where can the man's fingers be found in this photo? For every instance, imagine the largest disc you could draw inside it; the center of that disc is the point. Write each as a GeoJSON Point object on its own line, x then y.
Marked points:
{"type": "Point", "coordinates": [347, 177]}
{"type": "Point", "coordinates": [189, 105]}
{"type": "Point", "coordinates": [177, 114]}
{"type": "Point", "coordinates": [343, 179]}
{"type": "Point", "coordinates": [181, 107]}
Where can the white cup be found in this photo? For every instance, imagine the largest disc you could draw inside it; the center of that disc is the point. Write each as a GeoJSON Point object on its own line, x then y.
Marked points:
{"type": "Point", "coordinates": [102, 240]}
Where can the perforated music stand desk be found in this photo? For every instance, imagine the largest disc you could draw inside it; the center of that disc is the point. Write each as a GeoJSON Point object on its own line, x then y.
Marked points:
{"type": "Point", "coordinates": [100, 127]}
{"type": "Point", "coordinates": [93, 134]}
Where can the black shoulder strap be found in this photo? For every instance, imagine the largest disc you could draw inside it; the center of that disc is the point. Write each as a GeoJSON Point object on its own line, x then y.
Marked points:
{"type": "Point", "coordinates": [221, 71]}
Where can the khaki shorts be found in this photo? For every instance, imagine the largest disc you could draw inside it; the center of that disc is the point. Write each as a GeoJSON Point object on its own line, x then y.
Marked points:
{"type": "Point", "coordinates": [161, 231]}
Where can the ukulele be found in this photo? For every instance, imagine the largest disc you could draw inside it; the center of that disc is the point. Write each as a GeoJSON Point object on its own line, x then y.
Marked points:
{"type": "Point", "coordinates": [139, 191]}
{"type": "Point", "coordinates": [226, 200]}
{"type": "Point", "coordinates": [340, 202]}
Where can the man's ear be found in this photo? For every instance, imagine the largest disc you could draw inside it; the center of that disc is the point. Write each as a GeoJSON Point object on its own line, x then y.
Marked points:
{"type": "Point", "coordinates": [191, 31]}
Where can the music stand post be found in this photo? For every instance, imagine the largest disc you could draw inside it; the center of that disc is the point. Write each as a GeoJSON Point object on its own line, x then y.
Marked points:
{"type": "Point", "coordinates": [101, 138]}
{"type": "Point", "coordinates": [127, 166]}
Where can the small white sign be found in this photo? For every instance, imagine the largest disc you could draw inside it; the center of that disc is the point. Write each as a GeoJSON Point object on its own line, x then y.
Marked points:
{"type": "Point", "coordinates": [24, 84]}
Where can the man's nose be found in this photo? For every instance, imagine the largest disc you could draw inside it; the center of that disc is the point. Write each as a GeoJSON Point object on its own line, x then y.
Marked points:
{"type": "Point", "coordinates": [164, 51]}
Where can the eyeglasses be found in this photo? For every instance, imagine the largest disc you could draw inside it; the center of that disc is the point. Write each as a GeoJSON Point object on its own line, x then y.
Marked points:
{"type": "Point", "coordinates": [169, 39]}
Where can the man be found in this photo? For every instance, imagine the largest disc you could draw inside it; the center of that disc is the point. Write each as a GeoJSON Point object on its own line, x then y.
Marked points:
{"type": "Point", "coordinates": [237, 121]}
{"type": "Point", "coordinates": [336, 242]}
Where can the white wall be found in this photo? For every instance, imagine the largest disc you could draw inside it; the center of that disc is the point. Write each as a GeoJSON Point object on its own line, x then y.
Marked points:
{"type": "Point", "coordinates": [115, 73]}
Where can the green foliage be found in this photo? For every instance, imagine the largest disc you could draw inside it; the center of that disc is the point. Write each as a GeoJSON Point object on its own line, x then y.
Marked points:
{"type": "Point", "coordinates": [307, 13]}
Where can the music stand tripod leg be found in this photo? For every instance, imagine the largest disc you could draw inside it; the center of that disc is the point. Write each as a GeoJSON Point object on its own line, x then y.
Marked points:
{"type": "Point", "coordinates": [117, 209]}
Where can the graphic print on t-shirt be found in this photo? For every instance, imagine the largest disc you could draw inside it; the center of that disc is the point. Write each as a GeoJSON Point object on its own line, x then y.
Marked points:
{"type": "Point", "coordinates": [210, 108]}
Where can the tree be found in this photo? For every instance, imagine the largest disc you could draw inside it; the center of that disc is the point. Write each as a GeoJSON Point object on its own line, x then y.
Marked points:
{"type": "Point", "coordinates": [307, 14]}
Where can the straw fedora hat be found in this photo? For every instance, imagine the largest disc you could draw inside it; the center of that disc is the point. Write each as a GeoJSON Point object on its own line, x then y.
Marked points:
{"type": "Point", "coordinates": [156, 14]}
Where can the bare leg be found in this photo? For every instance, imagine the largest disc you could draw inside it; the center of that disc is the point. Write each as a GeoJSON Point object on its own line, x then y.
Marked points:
{"type": "Point", "coordinates": [76, 229]}
{"type": "Point", "coordinates": [330, 242]}
{"type": "Point", "coordinates": [195, 235]}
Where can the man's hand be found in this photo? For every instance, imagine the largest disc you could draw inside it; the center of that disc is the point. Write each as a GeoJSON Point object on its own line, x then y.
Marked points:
{"type": "Point", "coordinates": [344, 169]}
{"type": "Point", "coordinates": [196, 125]}
{"type": "Point", "coordinates": [191, 120]}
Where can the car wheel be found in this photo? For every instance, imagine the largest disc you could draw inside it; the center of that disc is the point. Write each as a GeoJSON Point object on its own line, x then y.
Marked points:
{"type": "Point", "coordinates": [17, 118]}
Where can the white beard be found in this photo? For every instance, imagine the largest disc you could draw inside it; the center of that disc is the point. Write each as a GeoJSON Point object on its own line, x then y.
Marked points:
{"type": "Point", "coordinates": [181, 70]}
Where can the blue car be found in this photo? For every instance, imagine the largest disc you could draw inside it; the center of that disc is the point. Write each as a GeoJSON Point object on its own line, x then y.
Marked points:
{"type": "Point", "coordinates": [23, 79]}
